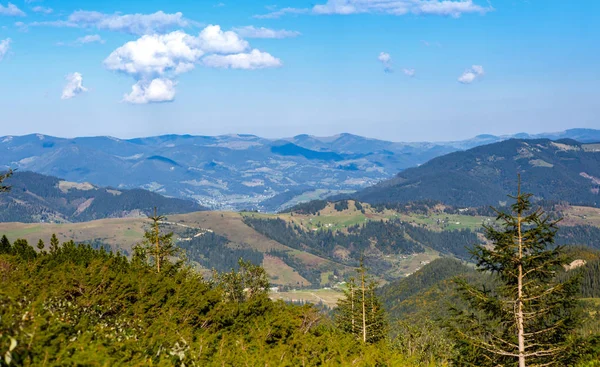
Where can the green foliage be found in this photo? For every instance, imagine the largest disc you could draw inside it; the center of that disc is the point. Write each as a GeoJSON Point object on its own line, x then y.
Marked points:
{"type": "Point", "coordinates": [157, 248]}
{"type": "Point", "coordinates": [341, 205]}
{"type": "Point", "coordinates": [248, 283]}
{"type": "Point", "coordinates": [81, 306]}
{"type": "Point", "coordinates": [212, 251]}
{"type": "Point", "coordinates": [360, 312]}
{"type": "Point", "coordinates": [529, 316]}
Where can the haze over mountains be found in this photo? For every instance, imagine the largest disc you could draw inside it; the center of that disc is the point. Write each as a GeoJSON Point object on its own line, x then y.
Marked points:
{"type": "Point", "coordinates": [236, 171]}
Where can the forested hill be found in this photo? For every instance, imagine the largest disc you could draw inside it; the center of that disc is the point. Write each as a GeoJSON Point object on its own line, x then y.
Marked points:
{"type": "Point", "coordinates": [36, 198]}
{"type": "Point", "coordinates": [563, 170]}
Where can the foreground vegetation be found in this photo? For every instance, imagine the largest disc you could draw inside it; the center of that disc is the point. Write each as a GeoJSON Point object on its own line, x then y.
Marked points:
{"type": "Point", "coordinates": [69, 304]}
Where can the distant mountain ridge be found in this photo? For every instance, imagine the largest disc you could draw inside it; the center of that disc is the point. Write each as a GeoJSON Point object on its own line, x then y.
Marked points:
{"type": "Point", "coordinates": [562, 170]}
{"type": "Point", "coordinates": [38, 198]}
{"type": "Point", "coordinates": [235, 171]}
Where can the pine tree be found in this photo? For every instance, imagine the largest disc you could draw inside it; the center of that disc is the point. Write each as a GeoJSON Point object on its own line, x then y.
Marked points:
{"type": "Point", "coordinates": [5, 246]}
{"type": "Point", "coordinates": [40, 244]}
{"type": "Point", "coordinates": [360, 312]}
{"type": "Point", "coordinates": [526, 319]}
{"type": "Point", "coordinates": [54, 243]}
{"type": "Point", "coordinates": [156, 247]}
{"type": "Point", "coordinates": [4, 176]}
{"type": "Point", "coordinates": [347, 309]}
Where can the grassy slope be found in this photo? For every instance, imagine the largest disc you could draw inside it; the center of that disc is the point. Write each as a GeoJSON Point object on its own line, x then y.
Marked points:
{"type": "Point", "coordinates": [123, 233]}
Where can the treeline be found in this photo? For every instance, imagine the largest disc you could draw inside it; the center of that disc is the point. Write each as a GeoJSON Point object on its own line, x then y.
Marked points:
{"type": "Point", "coordinates": [212, 251]}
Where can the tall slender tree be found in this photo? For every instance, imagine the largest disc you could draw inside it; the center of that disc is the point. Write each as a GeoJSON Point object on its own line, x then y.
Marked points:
{"type": "Point", "coordinates": [526, 318]}
{"type": "Point", "coordinates": [156, 246]}
{"type": "Point", "coordinates": [360, 312]}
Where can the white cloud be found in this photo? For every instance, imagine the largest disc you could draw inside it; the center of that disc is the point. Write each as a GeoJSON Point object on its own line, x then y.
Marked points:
{"type": "Point", "coordinates": [41, 9]}
{"type": "Point", "coordinates": [213, 39]}
{"type": "Point", "coordinates": [252, 60]}
{"type": "Point", "coordinates": [154, 61]}
{"type": "Point", "coordinates": [386, 60]}
{"type": "Point", "coordinates": [139, 24]}
{"type": "Point", "coordinates": [470, 75]}
{"type": "Point", "coordinates": [157, 90]}
{"type": "Point", "coordinates": [11, 10]}
{"type": "Point", "coordinates": [453, 8]}
{"type": "Point", "coordinates": [4, 46]}
{"type": "Point", "coordinates": [262, 32]}
{"type": "Point", "coordinates": [155, 55]}
{"type": "Point", "coordinates": [90, 38]}
{"type": "Point", "coordinates": [74, 86]}
{"type": "Point", "coordinates": [409, 72]}
{"type": "Point", "coordinates": [281, 12]}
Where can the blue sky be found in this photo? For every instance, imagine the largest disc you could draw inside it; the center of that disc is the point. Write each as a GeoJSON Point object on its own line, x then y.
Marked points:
{"type": "Point", "coordinates": [403, 70]}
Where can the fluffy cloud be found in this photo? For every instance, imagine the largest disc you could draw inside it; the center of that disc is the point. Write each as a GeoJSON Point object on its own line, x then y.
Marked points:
{"type": "Point", "coordinates": [409, 72]}
{"type": "Point", "coordinates": [386, 60]}
{"type": "Point", "coordinates": [252, 60]}
{"type": "Point", "coordinates": [157, 90]}
{"type": "Point", "coordinates": [11, 10]}
{"type": "Point", "coordinates": [155, 55]}
{"type": "Point", "coordinates": [74, 86]}
{"type": "Point", "coordinates": [139, 24]}
{"type": "Point", "coordinates": [4, 46]}
{"type": "Point", "coordinates": [262, 32]}
{"type": "Point", "coordinates": [41, 9]}
{"type": "Point", "coordinates": [470, 75]}
{"type": "Point", "coordinates": [154, 61]}
{"type": "Point", "coordinates": [213, 39]}
{"type": "Point", "coordinates": [453, 8]}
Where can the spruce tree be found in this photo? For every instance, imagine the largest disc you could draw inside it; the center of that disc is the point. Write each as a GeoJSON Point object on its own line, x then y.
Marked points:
{"type": "Point", "coordinates": [526, 317]}
{"type": "Point", "coordinates": [54, 243]}
{"type": "Point", "coordinates": [40, 244]}
{"type": "Point", "coordinates": [5, 246]}
{"type": "Point", "coordinates": [360, 312]}
{"type": "Point", "coordinates": [156, 246]}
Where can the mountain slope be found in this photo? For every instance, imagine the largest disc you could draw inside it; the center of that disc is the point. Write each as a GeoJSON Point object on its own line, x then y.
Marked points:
{"type": "Point", "coordinates": [35, 197]}
{"type": "Point", "coordinates": [234, 171]}
{"type": "Point", "coordinates": [565, 170]}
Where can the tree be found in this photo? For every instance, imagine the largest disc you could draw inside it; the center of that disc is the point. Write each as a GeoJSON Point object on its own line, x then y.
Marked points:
{"type": "Point", "coordinates": [40, 244]}
{"type": "Point", "coordinates": [54, 243]}
{"type": "Point", "coordinates": [360, 312]}
{"type": "Point", "coordinates": [5, 247]}
{"type": "Point", "coordinates": [250, 281]}
{"type": "Point", "coordinates": [156, 247]}
{"type": "Point", "coordinates": [527, 317]}
{"type": "Point", "coordinates": [4, 176]}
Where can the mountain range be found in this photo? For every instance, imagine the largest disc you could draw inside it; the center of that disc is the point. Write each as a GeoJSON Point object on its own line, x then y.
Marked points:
{"type": "Point", "coordinates": [234, 172]}
{"type": "Point", "coordinates": [561, 170]}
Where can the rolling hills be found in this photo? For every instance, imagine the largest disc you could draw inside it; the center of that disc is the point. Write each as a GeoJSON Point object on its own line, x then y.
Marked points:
{"type": "Point", "coordinates": [307, 250]}
{"type": "Point", "coordinates": [562, 170]}
{"type": "Point", "coordinates": [39, 198]}
{"type": "Point", "coordinates": [235, 171]}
